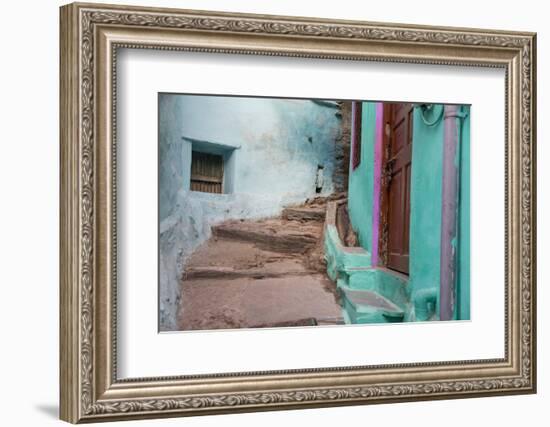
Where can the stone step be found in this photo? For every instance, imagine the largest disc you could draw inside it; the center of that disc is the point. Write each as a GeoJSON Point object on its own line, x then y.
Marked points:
{"type": "Point", "coordinates": [328, 321]}
{"type": "Point", "coordinates": [238, 255]}
{"type": "Point", "coordinates": [277, 236]}
{"type": "Point", "coordinates": [216, 272]}
{"type": "Point", "coordinates": [304, 214]}
{"type": "Point", "coordinates": [369, 307]}
{"type": "Point", "coordinates": [309, 321]}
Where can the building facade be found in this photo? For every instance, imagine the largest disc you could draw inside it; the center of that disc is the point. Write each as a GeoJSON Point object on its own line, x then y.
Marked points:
{"type": "Point", "coordinates": [408, 206]}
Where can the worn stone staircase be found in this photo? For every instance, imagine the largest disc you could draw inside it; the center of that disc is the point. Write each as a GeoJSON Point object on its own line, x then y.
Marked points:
{"type": "Point", "coordinates": [263, 273]}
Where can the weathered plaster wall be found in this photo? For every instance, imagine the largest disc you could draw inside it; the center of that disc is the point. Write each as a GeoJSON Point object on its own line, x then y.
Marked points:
{"type": "Point", "coordinates": [174, 172]}
{"type": "Point", "coordinates": [273, 136]}
{"type": "Point", "coordinates": [278, 146]}
{"type": "Point", "coordinates": [360, 191]}
{"type": "Point", "coordinates": [341, 172]}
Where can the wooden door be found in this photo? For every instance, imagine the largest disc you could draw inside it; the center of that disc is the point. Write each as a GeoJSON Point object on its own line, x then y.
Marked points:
{"type": "Point", "coordinates": [396, 200]}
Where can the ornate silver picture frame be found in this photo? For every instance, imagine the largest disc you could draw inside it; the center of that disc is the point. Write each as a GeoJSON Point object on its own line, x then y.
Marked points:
{"type": "Point", "coordinates": [91, 36]}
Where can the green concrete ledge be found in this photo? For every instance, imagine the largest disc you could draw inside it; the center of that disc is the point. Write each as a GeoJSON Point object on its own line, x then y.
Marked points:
{"type": "Point", "coordinates": [351, 268]}
{"type": "Point", "coordinates": [338, 256]}
{"type": "Point", "coordinates": [369, 307]}
{"type": "Point", "coordinates": [390, 285]}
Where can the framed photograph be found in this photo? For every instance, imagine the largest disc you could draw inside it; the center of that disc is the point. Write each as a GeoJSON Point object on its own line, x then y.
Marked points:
{"type": "Point", "coordinates": [268, 212]}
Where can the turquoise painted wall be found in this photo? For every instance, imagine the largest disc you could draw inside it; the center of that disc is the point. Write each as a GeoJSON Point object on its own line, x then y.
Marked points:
{"type": "Point", "coordinates": [463, 291]}
{"type": "Point", "coordinates": [425, 221]}
{"type": "Point", "coordinates": [360, 188]}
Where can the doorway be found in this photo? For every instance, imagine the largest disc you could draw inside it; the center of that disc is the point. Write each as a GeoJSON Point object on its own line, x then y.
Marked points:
{"type": "Point", "coordinates": [396, 186]}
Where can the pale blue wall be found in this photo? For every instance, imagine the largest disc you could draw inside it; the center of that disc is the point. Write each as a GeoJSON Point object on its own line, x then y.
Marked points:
{"type": "Point", "coordinates": [280, 143]}
{"type": "Point", "coordinates": [174, 172]}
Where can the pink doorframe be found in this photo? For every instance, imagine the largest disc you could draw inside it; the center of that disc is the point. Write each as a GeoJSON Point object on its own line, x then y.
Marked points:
{"type": "Point", "coordinates": [379, 136]}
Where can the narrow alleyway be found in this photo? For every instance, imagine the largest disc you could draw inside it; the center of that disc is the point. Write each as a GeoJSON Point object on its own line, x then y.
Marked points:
{"type": "Point", "coordinates": [266, 273]}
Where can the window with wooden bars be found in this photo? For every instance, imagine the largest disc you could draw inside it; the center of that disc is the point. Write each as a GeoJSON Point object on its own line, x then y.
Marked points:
{"type": "Point", "coordinates": [206, 172]}
{"type": "Point", "coordinates": [356, 134]}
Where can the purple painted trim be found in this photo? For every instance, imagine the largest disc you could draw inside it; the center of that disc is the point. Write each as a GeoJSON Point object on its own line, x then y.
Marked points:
{"type": "Point", "coordinates": [353, 147]}
{"type": "Point", "coordinates": [378, 138]}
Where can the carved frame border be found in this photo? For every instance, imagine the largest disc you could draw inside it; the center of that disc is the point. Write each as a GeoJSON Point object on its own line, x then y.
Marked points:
{"type": "Point", "coordinates": [90, 36]}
